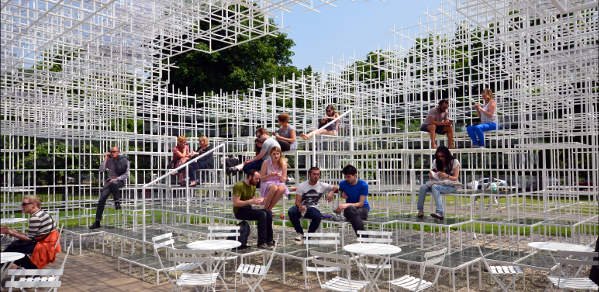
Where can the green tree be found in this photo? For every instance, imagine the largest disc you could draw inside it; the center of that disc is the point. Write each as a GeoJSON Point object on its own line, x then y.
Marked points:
{"type": "Point", "coordinates": [236, 68]}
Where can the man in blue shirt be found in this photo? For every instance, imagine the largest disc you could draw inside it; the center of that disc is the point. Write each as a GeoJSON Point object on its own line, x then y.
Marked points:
{"type": "Point", "coordinates": [354, 191]}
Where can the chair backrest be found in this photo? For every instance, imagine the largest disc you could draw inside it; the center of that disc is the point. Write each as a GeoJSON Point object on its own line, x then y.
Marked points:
{"type": "Point", "coordinates": [332, 260]}
{"type": "Point", "coordinates": [163, 241]}
{"type": "Point", "coordinates": [577, 258]}
{"type": "Point", "coordinates": [190, 256]}
{"type": "Point", "coordinates": [223, 232]}
{"type": "Point", "coordinates": [436, 257]}
{"type": "Point", "coordinates": [330, 239]}
{"type": "Point", "coordinates": [431, 259]}
{"type": "Point", "coordinates": [372, 236]}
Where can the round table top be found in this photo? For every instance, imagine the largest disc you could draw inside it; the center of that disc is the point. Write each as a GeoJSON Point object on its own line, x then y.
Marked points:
{"type": "Point", "coordinates": [372, 248]}
{"type": "Point", "coordinates": [221, 244]}
{"type": "Point", "coordinates": [12, 220]}
{"type": "Point", "coordinates": [7, 257]}
{"type": "Point", "coordinates": [559, 246]}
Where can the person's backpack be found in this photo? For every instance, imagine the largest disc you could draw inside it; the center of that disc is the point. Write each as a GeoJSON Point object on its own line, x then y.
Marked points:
{"type": "Point", "coordinates": [244, 233]}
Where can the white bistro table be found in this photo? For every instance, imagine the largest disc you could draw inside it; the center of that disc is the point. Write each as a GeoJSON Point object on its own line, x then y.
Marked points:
{"type": "Point", "coordinates": [214, 245]}
{"type": "Point", "coordinates": [219, 246]}
{"type": "Point", "coordinates": [554, 246]}
{"type": "Point", "coordinates": [8, 257]}
{"type": "Point", "coordinates": [379, 250]}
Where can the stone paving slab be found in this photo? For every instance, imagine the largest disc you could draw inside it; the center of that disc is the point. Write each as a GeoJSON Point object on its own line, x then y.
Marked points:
{"type": "Point", "coordinates": [95, 272]}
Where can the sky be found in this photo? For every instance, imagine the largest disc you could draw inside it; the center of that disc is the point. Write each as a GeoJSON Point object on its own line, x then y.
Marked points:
{"type": "Point", "coordinates": [352, 28]}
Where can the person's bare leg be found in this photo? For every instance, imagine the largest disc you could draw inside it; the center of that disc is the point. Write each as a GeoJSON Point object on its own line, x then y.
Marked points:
{"type": "Point", "coordinates": [432, 132]}
{"type": "Point", "coordinates": [280, 190]}
{"type": "Point", "coordinates": [450, 137]}
{"type": "Point", "coordinates": [269, 196]}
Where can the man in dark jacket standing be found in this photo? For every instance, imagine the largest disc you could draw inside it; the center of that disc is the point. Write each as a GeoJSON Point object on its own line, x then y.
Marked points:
{"type": "Point", "coordinates": [118, 173]}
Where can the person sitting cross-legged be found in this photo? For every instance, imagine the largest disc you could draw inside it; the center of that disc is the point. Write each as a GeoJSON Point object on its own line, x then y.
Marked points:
{"type": "Point", "coordinates": [306, 203]}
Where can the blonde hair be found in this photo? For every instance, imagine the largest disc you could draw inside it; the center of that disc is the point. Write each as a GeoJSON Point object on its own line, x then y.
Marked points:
{"type": "Point", "coordinates": [204, 138]}
{"type": "Point", "coordinates": [488, 92]}
{"type": "Point", "coordinates": [33, 199]}
{"type": "Point", "coordinates": [282, 161]}
{"type": "Point", "coordinates": [181, 139]}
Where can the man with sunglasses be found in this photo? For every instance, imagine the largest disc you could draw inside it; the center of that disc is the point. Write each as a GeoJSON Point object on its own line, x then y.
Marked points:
{"type": "Point", "coordinates": [118, 173]}
{"type": "Point", "coordinates": [41, 224]}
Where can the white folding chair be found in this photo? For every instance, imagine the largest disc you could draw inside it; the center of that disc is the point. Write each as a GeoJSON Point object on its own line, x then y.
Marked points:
{"type": "Point", "coordinates": [183, 260]}
{"type": "Point", "coordinates": [411, 283]}
{"type": "Point", "coordinates": [328, 240]}
{"type": "Point", "coordinates": [503, 270]}
{"type": "Point", "coordinates": [253, 274]}
{"type": "Point", "coordinates": [339, 263]}
{"type": "Point", "coordinates": [575, 260]}
{"type": "Point", "coordinates": [37, 278]}
{"type": "Point", "coordinates": [224, 232]}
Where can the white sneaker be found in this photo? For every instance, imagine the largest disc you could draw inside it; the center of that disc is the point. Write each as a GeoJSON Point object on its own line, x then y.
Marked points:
{"type": "Point", "coordinates": [299, 239]}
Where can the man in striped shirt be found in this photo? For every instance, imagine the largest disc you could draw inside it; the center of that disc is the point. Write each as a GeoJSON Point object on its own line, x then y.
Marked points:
{"type": "Point", "coordinates": [40, 225]}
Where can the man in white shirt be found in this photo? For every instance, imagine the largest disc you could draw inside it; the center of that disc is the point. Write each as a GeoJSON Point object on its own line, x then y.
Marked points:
{"type": "Point", "coordinates": [306, 202]}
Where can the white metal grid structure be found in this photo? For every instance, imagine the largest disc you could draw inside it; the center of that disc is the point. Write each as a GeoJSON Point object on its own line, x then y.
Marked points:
{"type": "Point", "coordinates": [79, 76]}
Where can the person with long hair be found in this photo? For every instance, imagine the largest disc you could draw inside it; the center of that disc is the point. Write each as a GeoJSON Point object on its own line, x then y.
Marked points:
{"type": "Point", "coordinates": [488, 119]}
{"type": "Point", "coordinates": [181, 154]}
{"type": "Point", "coordinates": [443, 179]}
{"type": "Point", "coordinates": [331, 129]}
{"type": "Point", "coordinates": [274, 176]}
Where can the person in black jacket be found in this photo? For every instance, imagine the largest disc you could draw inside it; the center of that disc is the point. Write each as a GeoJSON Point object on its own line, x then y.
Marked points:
{"type": "Point", "coordinates": [118, 173]}
{"type": "Point", "coordinates": [206, 162]}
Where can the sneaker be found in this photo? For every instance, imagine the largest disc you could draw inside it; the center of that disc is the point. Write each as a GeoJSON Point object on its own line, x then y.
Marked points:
{"type": "Point", "coordinates": [420, 214]}
{"type": "Point", "coordinates": [95, 225]}
{"type": "Point", "coordinates": [262, 246]}
{"type": "Point", "coordinates": [271, 243]}
{"type": "Point", "coordinates": [299, 239]}
{"type": "Point", "coordinates": [437, 216]}
{"type": "Point", "coordinates": [495, 201]}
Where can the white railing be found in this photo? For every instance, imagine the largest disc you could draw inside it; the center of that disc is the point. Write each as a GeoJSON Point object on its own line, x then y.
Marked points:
{"type": "Point", "coordinates": [351, 134]}
{"type": "Point", "coordinates": [187, 192]}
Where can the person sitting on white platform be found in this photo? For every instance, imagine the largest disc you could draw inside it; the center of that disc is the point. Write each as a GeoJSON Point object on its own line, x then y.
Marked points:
{"type": "Point", "coordinates": [443, 177]}
{"type": "Point", "coordinates": [306, 203]}
{"type": "Point", "coordinates": [354, 191]}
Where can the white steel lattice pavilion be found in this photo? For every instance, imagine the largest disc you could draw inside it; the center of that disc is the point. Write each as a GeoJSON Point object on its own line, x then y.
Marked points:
{"type": "Point", "coordinates": [80, 76]}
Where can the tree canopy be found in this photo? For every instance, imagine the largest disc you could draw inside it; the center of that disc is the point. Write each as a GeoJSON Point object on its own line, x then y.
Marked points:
{"type": "Point", "coordinates": [236, 68]}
